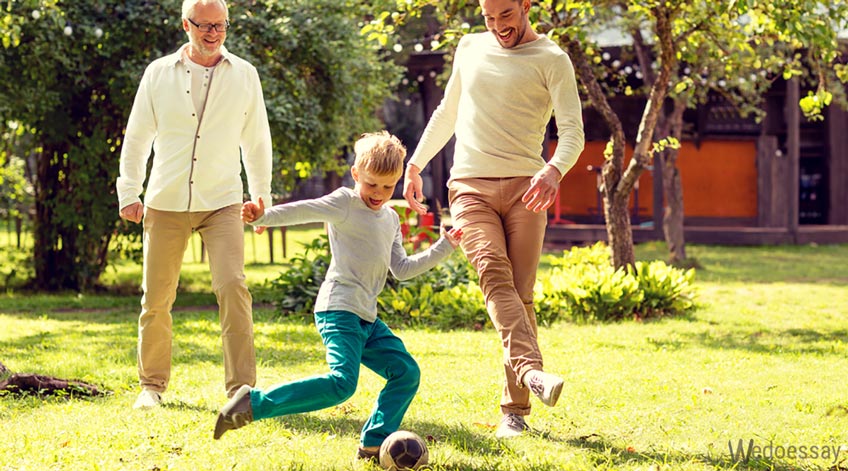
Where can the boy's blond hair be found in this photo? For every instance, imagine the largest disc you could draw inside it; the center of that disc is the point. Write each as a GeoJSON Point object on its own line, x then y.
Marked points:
{"type": "Point", "coordinates": [379, 153]}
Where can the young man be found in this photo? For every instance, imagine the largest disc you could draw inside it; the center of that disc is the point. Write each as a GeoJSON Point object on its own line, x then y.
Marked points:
{"type": "Point", "coordinates": [366, 243]}
{"type": "Point", "coordinates": [498, 101]}
{"type": "Point", "coordinates": [201, 109]}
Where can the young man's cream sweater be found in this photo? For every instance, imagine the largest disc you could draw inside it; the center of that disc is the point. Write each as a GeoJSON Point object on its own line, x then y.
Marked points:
{"type": "Point", "coordinates": [498, 102]}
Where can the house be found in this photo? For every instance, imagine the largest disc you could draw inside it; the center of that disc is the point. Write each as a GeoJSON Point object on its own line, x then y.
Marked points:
{"type": "Point", "coordinates": [781, 181]}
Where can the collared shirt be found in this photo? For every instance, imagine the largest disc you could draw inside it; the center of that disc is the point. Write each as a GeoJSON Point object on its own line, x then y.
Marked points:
{"type": "Point", "coordinates": [498, 102]}
{"type": "Point", "coordinates": [196, 160]}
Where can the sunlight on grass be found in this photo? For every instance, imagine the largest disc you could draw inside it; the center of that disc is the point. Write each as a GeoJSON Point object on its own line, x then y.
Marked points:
{"type": "Point", "coordinates": [763, 359]}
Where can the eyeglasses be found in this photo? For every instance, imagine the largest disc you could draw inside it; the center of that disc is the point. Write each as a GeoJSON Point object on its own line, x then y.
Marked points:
{"type": "Point", "coordinates": [208, 27]}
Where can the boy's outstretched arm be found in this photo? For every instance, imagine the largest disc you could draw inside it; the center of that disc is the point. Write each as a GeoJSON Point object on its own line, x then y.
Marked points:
{"type": "Point", "coordinates": [404, 266]}
{"type": "Point", "coordinates": [251, 211]}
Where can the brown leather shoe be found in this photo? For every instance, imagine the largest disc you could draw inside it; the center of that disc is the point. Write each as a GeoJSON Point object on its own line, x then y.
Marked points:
{"type": "Point", "coordinates": [236, 413]}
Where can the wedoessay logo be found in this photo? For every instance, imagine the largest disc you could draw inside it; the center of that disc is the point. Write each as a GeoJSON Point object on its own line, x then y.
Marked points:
{"type": "Point", "coordinates": [791, 452]}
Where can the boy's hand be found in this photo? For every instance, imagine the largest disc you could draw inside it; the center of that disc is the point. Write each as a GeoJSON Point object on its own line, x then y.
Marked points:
{"type": "Point", "coordinates": [453, 235]}
{"type": "Point", "coordinates": [251, 211]}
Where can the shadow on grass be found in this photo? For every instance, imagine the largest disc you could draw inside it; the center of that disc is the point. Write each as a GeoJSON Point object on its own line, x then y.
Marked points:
{"type": "Point", "coordinates": [485, 451]}
{"type": "Point", "coordinates": [185, 406]}
{"type": "Point", "coordinates": [104, 339]}
{"type": "Point", "coordinates": [775, 342]}
{"type": "Point", "coordinates": [477, 444]}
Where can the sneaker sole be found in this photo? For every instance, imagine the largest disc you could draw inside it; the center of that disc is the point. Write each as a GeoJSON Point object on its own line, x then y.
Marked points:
{"type": "Point", "coordinates": [223, 425]}
{"type": "Point", "coordinates": [509, 434]}
{"type": "Point", "coordinates": [554, 395]}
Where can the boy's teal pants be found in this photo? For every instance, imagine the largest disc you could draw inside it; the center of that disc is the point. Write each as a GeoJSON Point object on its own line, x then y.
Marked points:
{"type": "Point", "coordinates": [349, 341]}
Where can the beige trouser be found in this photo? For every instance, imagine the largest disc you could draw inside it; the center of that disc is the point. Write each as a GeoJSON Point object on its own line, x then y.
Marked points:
{"type": "Point", "coordinates": [166, 236]}
{"type": "Point", "coordinates": [503, 241]}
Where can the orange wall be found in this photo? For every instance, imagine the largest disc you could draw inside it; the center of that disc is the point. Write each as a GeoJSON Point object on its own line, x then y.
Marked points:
{"type": "Point", "coordinates": [719, 180]}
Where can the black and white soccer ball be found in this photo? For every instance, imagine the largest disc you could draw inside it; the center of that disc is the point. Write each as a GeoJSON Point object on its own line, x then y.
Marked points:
{"type": "Point", "coordinates": [403, 450]}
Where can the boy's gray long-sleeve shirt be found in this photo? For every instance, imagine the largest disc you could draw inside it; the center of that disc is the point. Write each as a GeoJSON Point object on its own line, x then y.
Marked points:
{"type": "Point", "coordinates": [365, 244]}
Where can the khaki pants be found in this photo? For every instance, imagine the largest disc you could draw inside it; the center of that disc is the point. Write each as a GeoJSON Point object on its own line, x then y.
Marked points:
{"type": "Point", "coordinates": [166, 236]}
{"type": "Point", "coordinates": [503, 241]}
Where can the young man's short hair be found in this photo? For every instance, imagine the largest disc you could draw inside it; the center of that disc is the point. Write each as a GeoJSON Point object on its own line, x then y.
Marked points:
{"type": "Point", "coordinates": [379, 153]}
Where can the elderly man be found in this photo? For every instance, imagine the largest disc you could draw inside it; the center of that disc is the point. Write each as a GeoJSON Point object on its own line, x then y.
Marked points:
{"type": "Point", "coordinates": [202, 111]}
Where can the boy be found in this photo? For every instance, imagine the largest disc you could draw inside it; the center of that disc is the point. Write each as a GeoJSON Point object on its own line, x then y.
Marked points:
{"type": "Point", "coordinates": [365, 242]}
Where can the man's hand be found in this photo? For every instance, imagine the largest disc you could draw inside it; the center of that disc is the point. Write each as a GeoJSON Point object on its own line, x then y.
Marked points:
{"type": "Point", "coordinates": [413, 189]}
{"type": "Point", "coordinates": [132, 212]}
{"type": "Point", "coordinates": [251, 211]}
{"type": "Point", "coordinates": [543, 189]}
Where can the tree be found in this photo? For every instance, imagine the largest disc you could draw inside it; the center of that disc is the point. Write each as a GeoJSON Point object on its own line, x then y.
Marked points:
{"type": "Point", "coordinates": [736, 52]}
{"type": "Point", "coordinates": [674, 32]}
{"type": "Point", "coordinates": [68, 75]}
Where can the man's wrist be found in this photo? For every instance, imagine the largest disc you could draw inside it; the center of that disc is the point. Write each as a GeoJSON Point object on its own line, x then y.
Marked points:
{"type": "Point", "coordinates": [558, 174]}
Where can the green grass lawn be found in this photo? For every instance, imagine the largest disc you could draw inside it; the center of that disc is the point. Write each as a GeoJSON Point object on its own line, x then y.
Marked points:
{"type": "Point", "coordinates": [764, 359]}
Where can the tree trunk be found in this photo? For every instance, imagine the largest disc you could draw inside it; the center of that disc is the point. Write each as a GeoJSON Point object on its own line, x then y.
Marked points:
{"type": "Point", "coordinates": [74, 220]}
{"type": "Point", "coordinates": [619, 232]}
{"type": "Point", "coordinates": [673, 217]}
{"type": "Point", "coordinates": [44, 385]}
{"type": "Point", "coordinates": [54, 270]}
{"type": "Point", "coordinates": [618, 182]}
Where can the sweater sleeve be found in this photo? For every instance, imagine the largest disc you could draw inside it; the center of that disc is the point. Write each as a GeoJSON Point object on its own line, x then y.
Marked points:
{"type": "Point", "coordinates": [567, 112]}
{"type": "Point", "coordinates": [332, 208]}
{"type": "Point", "coordinates": [442, 123]}
{"type": "Point", "coordinates": [404, 266]}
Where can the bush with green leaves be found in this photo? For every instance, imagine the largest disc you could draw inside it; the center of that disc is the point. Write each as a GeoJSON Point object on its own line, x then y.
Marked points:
{"type": "Point", "coordinates": [583, 286]}
{"type": "Point", "coordinates": [445, 297]}
{"type": "Point", "coordinates": [295, 290]}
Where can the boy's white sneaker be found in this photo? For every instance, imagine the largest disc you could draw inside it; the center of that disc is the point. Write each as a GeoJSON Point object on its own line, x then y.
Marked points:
{"type": "Point", "coordinates": [545, 386]}
{"type": "Point", "coordinates": [147, 398]}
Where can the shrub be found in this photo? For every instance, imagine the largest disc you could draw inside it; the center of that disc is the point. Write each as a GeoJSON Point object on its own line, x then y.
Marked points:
{"type": "Point", "coordinates": [584, 286]}
{"type": "Point", "coordinates": [295, 290]}
{"type": "Point", "coordinates": [445, 297]}
{"type": "Point", "coordinates": [667, 290]}
{"type": "Point", "coordinates": [15, 267]}
{"type": "Point", "coordinates": [581, 286]}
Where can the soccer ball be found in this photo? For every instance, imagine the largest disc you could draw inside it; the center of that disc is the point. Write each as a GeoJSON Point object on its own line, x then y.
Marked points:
{"type": "Point", "coordinates": [403, 450]}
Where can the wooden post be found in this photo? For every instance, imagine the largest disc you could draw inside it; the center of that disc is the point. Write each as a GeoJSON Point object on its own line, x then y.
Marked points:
{"type": "Point", "coordinates": [270, 231]}
{"type": "Point", "coordinates": [793, 149]}
{"type": "Point", "coordinates": [659, 197]}
{"type": "Point", "coordinates": [772, 198]}
{"type": "Point", "coordinates": [837, 153]}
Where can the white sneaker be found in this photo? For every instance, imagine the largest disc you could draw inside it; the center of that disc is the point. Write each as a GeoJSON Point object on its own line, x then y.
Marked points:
{"type": "Point", "coordinates": [512, 425]}
{"type": "Point", "coordinates": [147, 399]}
{"type": "Point", "coordinates": [545, 386]}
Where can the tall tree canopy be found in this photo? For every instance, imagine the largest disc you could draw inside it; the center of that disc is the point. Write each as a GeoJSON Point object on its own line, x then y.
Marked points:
{"type": "Point", "coordinates": [68, 75]}
{"type": "Point", "coordinates": [683, 46]}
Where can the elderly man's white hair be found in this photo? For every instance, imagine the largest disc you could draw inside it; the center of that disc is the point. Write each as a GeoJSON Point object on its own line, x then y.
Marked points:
{"type": "Point", "coordinates": [188, 6]}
